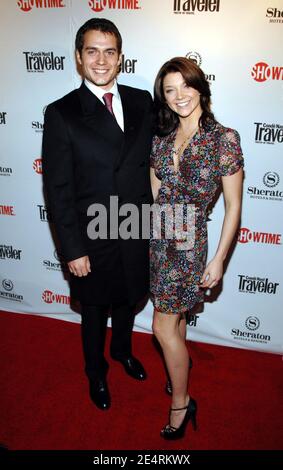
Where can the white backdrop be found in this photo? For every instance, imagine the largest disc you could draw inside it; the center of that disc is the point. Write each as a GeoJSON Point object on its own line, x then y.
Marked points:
{"type": "Point", "coordinates": [239, 47]}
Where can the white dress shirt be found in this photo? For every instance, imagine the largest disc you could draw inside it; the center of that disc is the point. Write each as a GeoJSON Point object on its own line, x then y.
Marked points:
{"type": "Point", "coordinates": [116, 100]}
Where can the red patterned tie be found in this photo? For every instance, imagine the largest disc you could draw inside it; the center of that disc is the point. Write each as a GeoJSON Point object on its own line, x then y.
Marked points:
{"type": "Point", "coordinates": [107, 98]}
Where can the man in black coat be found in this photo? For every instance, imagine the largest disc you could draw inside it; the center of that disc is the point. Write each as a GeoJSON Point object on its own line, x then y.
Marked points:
{"type": "Point", "coordinates": [96, 147]}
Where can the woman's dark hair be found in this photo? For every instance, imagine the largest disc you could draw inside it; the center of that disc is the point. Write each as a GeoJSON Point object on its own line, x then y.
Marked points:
{"type": "Point", "coordinates": [98, 24]}
{"type": "Point", "coordinates": [168, 120]}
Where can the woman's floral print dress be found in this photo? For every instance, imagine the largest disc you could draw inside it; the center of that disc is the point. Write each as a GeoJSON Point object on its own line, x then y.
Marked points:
{"type": "Point", "coordinates": [175, 272]}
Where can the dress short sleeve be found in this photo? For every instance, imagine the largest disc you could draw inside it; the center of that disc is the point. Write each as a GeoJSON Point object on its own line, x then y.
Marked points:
{"type": "Point", "coordinates": [231, 157]}
{"type": "Point", "coordinates": [153, 154]}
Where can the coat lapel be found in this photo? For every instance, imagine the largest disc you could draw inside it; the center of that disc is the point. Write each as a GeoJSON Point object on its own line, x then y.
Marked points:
{"type": "Point", "coordinates": [132, 120]}
{"type": "Point", "coordinates": [96, 116]}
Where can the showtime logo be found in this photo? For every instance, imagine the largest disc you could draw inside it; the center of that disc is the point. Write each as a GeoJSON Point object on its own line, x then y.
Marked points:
{"type": "Point", "coordinates": [50, 298]}
{"type": "Point", "coordinates": [246, 235]}
{"type": "Point", "coordinates": [7, 210]}
{"type": "Point", "coordinates": [262, 72]}
{"type": "Point", "coordinates": [100, 5]}
{"type": "Point", "coordinates": [27, 5]}
{"type": "Point", "coordinates": [37, 166]}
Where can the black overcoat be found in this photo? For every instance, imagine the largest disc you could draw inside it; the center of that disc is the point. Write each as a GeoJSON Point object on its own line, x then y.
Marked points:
{"type": "Point", "coordinates": [86, 159]}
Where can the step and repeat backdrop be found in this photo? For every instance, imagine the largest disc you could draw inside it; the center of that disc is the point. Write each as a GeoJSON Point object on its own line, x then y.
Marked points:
{"type": "Point", "coordinates": [238, 44]}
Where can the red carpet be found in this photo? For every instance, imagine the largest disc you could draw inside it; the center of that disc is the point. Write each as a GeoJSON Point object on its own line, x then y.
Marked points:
{"type": "Point", "coordinates": [45, 402]}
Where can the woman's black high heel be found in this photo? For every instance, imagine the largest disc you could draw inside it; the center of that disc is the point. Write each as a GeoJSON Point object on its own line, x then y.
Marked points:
{"type": "Point", "coordinates": [168, 386]}
{"type": "Point", "coordinates": [171, 433]}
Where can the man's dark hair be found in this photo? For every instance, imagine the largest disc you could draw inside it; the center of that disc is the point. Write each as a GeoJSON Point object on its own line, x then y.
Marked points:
{"type": "Point", "coordinates": [98, 24]}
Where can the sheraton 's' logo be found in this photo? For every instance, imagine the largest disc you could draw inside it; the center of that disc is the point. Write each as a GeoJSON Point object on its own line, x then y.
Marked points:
{"type": "Point", "coordinates": [7, 284]}
{"type": "Point", "coordinates": [28, 5]}
{"type": "Point", "coordinates": [100, 5]}
{"type": "Point", "coordinates": [252, 323]}
{"type": "Point", "coordinates": [196, 57]}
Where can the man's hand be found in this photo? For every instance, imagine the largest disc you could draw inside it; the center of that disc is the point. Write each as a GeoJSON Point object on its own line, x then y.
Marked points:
{"type": "Point", "coordinates": [80, 266]}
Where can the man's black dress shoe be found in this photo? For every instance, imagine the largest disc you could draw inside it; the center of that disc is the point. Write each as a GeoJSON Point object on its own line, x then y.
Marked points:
{"type": "Point", "coordinates": [133, 367]}
{"type": "Point", "coordinates": [99, 393]}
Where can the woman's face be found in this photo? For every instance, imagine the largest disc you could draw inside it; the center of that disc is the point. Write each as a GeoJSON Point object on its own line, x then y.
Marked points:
{"type": "Point", "coordinates": [181, 98]}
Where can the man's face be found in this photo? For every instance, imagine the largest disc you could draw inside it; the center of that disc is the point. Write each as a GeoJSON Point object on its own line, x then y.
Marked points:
{"type": "Point", "coordinates": [99, 58]}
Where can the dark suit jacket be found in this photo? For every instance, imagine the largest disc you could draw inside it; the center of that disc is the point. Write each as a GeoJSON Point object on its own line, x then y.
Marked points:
{"type": "Point", "coordinates": [86, 159]}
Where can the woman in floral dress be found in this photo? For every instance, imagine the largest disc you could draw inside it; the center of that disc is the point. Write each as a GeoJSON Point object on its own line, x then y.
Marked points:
{"type": "Point", "coordinates": [192, 155]}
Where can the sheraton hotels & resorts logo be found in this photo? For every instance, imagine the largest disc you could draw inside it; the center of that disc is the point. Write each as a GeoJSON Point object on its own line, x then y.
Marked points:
{"type": "Point", "coordinates": [28, 5]}
{"type": "Point", "coordinates": [274, 15]}
{"type": "Point", "coordinates": [100, 5]}
{"type": "Point", "coordinates": [271, 179]}
{"type": "Point", "coordinates": [252, 324]}
{"type": "Point", "coordinates": [6, 171]}
{"type": "Point", "coordinates": [196, 57]}
{"type": "Point", "coordinates": [8, 293]}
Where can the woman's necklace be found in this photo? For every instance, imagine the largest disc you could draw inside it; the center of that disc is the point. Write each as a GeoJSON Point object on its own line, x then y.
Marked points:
{"type": "Point", "coordinates": [179, 150]}
{"type": "Point", "coordinates": [188, 137]}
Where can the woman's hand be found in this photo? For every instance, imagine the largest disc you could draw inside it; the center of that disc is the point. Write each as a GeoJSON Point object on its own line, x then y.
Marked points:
{"type": "Point", "coordinates": [212, 274]}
